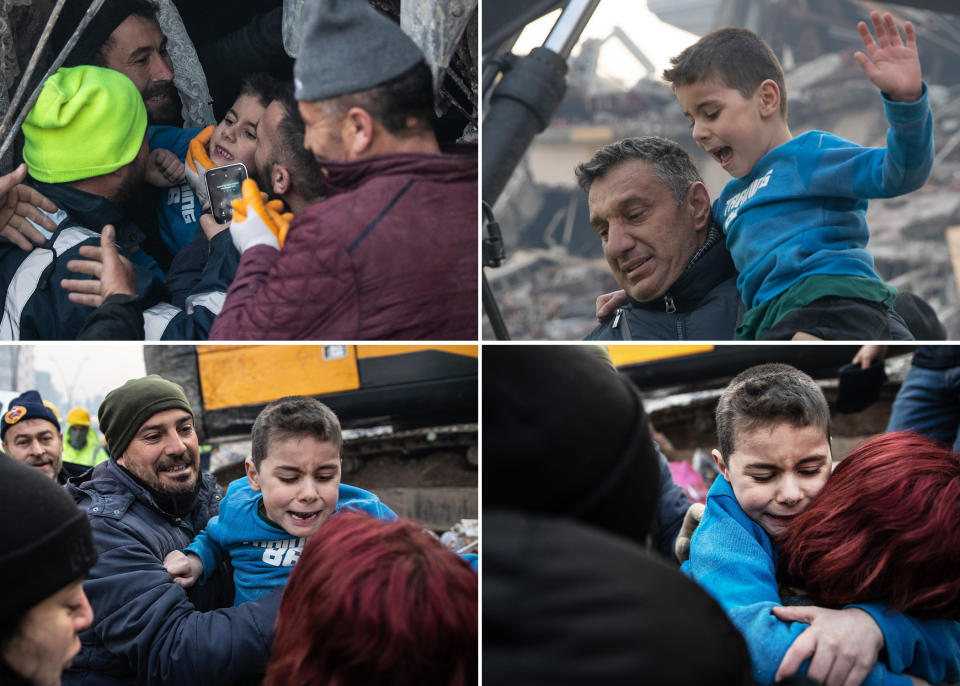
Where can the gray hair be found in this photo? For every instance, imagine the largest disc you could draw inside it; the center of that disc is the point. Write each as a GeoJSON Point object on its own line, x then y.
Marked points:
{"type": "Point", "coordinates": [671, 164]}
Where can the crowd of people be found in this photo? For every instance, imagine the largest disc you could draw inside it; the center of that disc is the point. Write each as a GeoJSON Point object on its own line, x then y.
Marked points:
{"type": "Point", "coordinates": [139, 570]}
{"type": "Point", "coordinates": [356, 222]}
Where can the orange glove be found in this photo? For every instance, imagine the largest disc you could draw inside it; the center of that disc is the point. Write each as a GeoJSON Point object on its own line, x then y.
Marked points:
{"type": "Point", "coordinates": [256, 222]}
{"type": "Point", "coordinates": [197, 164]}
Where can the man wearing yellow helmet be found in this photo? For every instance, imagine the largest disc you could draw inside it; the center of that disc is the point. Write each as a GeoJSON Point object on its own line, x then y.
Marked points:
{"type": "Point", "coordinates": [82, 448]}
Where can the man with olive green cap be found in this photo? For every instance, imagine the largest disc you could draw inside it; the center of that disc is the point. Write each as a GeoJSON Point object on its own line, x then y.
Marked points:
{"type": "Point", "coordinates": [148, 499]}
{"type": "Point", "coordinates": [85, 149]}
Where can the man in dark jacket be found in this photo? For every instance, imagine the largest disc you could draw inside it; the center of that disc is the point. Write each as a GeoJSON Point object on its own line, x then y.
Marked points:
{"type": "Point", "coordinates": [85, 149]}
{"type": "Point", "coordinates": [147, 500]}
{"type": "Point", "coordinates": [651, 210]}
{"type": "Point", "coordinates": [392, 250]}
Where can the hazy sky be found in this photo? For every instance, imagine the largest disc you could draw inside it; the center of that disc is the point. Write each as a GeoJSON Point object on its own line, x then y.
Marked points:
{"type": "Point", "coordinates": [658, 40]}
{"type": "Point", "coordinates": [96, 368]}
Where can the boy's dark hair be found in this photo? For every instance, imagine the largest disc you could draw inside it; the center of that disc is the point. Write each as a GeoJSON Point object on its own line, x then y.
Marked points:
{"type": "Point", "coordinates": [738, 58]}
{"type": "Point", "coordinates": [261, 86]}
{"type": "Point", "coordinates": [291, 417]}
{"type": "Point", "coordinates": [392, 103]}
{"type": "Point", "coordinates": [671, 163]}
{"type": "Point", "coordinates": [288, 148]}
{"type": "Point", "coordinates": [767, 395]}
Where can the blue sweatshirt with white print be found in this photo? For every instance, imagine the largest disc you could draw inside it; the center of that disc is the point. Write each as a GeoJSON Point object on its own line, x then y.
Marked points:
{"type": "Point", "coordinates": [263, 555]}
{"type": "Point", "coordinates": [732, 557]}
{"type": "Point", "coordinates": [802, 208]}
{"type": "Point", "coordinates": [178, 212]}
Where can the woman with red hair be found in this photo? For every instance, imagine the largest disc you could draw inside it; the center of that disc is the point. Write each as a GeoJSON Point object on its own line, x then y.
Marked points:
{"type": "Point", "coordinates": [373, 602]}
{"type": "Point", "coordinates": [885, 527]}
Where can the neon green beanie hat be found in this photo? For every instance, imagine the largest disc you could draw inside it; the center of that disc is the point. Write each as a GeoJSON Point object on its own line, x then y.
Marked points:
{"type": "Point", "coordinates": [88, 121]}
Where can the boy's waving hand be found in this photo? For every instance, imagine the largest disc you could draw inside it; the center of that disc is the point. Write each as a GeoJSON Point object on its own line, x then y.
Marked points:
{"type": "Point", "coordinates": [892, 66]}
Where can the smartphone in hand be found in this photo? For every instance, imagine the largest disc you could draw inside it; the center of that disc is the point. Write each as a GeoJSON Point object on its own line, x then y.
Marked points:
{"type": "Point", "coordinates": [223, 185]}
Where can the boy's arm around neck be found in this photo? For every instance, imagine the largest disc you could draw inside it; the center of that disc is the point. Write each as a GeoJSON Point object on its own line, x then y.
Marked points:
{"type": "Point", "coordinates": [734, 560]}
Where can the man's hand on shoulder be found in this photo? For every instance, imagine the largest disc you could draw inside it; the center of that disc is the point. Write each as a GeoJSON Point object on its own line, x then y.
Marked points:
{"type": "Point", "coordinates": [112, 272]}
{"type": "Point", "coordinates": [843, 644]}
{"type": "Point", "coordinates": [18, 205]}
{"type": "Point", "coordinates": [608, 303]}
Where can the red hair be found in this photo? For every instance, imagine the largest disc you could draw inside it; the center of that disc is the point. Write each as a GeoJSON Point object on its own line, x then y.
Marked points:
{"type": "Point", "coordinates": [374, 602]}
{"type": "Point", "coordinates": [885, 527]}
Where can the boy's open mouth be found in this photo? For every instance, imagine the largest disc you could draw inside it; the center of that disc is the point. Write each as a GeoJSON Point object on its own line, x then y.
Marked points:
{"type": "Point", "coordinates": [722, 154]}
{"type": "Point", "coordinates": [223, 153]}
{"type": "Point", "coordinates": [784, 519]}
{"type": "Point", "coordinates": [303, 517]}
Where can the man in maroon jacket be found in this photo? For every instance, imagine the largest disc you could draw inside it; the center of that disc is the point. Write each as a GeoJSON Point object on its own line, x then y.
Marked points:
{"type": "Point", "coordinates": [391, 252]}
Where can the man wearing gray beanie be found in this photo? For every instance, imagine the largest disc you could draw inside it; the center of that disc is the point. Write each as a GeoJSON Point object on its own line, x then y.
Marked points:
{"type": "Point", "coordinates": [391, 251]}
{"type": "Point", "coordinates": [150, 498]}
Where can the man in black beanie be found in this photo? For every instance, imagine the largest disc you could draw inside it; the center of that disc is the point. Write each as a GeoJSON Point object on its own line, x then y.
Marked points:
{"type": "Point", "coordinates": [566, 604]}
{"type": "Point", "coordinates": [30, 433]}
{"type": "Point", "coordinates": [45, 553]}
{"type": "Point", "coordinates": [565, 435]}
{"type": "Point", "coordinates": [125, 36]}
{"type": "Point", "coordinates": [399, 224]}
{"type": "Point", "coordinates": [147, 500]}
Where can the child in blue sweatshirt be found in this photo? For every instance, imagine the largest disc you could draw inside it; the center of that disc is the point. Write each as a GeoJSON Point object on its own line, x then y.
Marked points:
{"type": "Point", "coordinates": [179, 158]}
{"type": "Point", "coordinates": [794, 213]}
{"type": "Point", "coordinates": [292, 487]}
{"type": "Point", "coordinates": [773, 428]}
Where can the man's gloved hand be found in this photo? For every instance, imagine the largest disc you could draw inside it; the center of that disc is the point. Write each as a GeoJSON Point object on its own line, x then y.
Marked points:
{"type": "Point", "coordinates": [256, 222]}
{"type": "Point", "coordinates": [197, 164]}
{"type": "Point", "coordinates": [690, 522]}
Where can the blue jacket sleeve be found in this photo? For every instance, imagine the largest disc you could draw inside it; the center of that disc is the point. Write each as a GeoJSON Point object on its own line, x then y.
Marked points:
{"type": "Point", "coordinates": [927, 648]}
{"type": "Point", "coordinates": [670, 512]}
{"type": "Point", "coordinates": [359, 500]}
{"type": "Point", "coordinates": [738, 570]}
{"type": "Point", "coordinates": [732, 558]}
{"type": "Point", "coordinates": [145, 617]}
{"type": "Point", "coordinates": [901, 167]}
{"type": "Point", "coordinates": [172, 138]}
{"type": "Point", "coordinates": [208, 546]}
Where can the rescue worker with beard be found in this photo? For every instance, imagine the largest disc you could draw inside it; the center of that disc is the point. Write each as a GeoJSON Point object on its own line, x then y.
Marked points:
{"type": "Point", "coordinates": [30, 432]}
{"type": "Point", "coordinates": [82, 448]}
{"type": "Point", "coordinates": [85, 149]}
{"type": "Point", "coordinates": [150, 498]}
